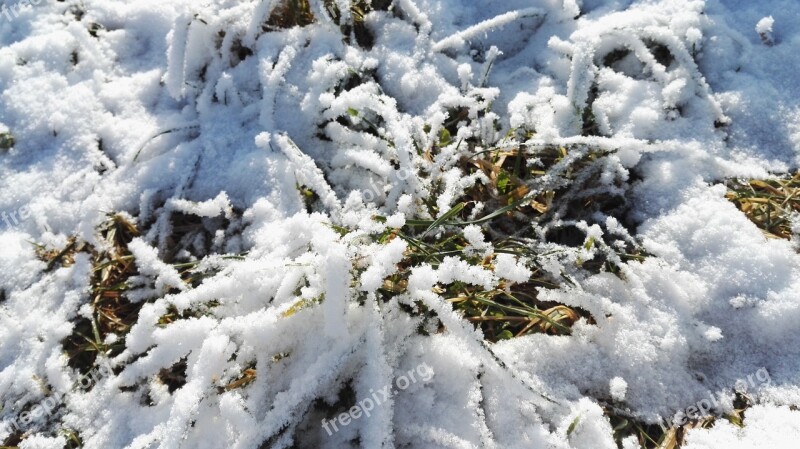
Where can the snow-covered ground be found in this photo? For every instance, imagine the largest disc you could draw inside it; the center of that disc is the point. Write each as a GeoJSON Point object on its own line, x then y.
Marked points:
{"type": "Point", "coordinates": [155, 108]}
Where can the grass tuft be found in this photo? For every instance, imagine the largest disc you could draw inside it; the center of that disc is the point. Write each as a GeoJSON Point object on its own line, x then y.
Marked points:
{"type": "Point", "coordinates": [770, 204]}
{"type": "Point", "coordinates": [667, 436]}
{"type": "Point", "coordinates": [521, 188]}
{"type": "Point", "coordinates": [289, 14]}
{"type": "Point", "coordinates": [112, 313]}
{"type": "Point", "coordinates": [6, 141]}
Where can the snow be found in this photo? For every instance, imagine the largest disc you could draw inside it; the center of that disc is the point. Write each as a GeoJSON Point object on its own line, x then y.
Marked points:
{"type": "Point", "coordinates": [765, 427]}
{"type": "Point", "coordinates": [618, 387]}
{"type": "Point", "coordinates": [158, 113]}
{"type": "Point", "coordinates": [509, 268]}
{"type": "Point", "coordinates": [764, 30]}
{"type": "Point", "coordinates": [764, 26]}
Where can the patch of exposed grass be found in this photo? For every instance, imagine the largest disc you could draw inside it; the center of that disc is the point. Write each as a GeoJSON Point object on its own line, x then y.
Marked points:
{"type": "Point", "coordinates": [113, 266]}
{"type": "Point", "coordinates": [653, 436]}
{"type": "Point", "coordinates": [174, 377]}
{"type": "Point", "coordinates": [112, 313]}
{"type": "Point", "coordinates": [668, 436]}
{"type": "Point", "coordinates": [290, 13]}
{"type": "Point", "coordinates": [64, 257]}
{"type": "Point", "coordinates": [13, 440]}
{"type": "Point", "coordinates": [247, 377]}
{"type": "Point", "coordinates": [523, 187]}
{"type": "Point", "coordinates": [501, 313]}
{"type": "Point", "coordinates": [356, 27]}
{"type": "Point", "coordinates": [769, 204]}
{"type": "Point", "coordinates": [6, 141]}
{"type": "Point", "coordinates": [298, 13]}
{"type": "Point", "coordinates": [74, 440]}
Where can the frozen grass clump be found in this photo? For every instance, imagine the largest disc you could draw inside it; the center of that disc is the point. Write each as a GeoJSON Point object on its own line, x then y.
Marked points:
{"type": "Point", "coordinates": [257, 215]}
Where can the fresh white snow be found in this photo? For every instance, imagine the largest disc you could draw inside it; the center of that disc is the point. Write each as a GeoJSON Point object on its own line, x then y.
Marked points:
{"type": "Point", "coordinates": [161, 113]}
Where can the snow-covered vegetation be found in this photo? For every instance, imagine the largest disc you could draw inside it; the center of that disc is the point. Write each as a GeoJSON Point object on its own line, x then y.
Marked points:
{"type": "Point", "coordinates": [399, 224]}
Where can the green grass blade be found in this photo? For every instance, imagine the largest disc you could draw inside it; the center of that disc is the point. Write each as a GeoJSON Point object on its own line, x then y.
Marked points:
{"type": "Point", "coordinates": [445, 217]}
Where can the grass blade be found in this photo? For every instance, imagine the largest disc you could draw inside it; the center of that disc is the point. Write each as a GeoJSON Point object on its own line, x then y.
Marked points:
{"type": "Point", "coordinates": [445, 217]}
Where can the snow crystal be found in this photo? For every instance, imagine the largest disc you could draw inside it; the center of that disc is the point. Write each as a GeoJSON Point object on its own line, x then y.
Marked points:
{"type": "Point", "coordinates": [618, 387]}
{"type": "Point", "coordinates": [43, 442]}
{"type": "Point", "coordinates": [764, 30]}
{"type": "Point", "coordinates": [149, 263]}
{"type": "Point", "coordinates": [476, 240]}
{"type": "Point", "coordinates": [764, 25]}
{"type": "Point", "coordinates": [383, 263]}
{"type": "Point", "coordinates": [508, 267]}
{"type": "Point", "coordinates": [454, 269]}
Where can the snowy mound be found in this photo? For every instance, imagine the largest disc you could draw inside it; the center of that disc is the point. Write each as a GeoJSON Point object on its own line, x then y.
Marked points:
{"type": "Point", "coordinates": [255, 196]}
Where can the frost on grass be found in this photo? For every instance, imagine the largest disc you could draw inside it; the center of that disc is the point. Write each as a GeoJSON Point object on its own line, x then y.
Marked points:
{"type": "Point", "coordinates": [320, 196]}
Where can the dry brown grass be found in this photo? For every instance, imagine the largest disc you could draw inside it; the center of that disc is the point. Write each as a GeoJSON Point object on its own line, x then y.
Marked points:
{"type": "Point", "coordinates": [769, 204]}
